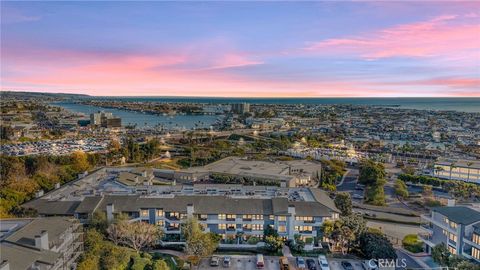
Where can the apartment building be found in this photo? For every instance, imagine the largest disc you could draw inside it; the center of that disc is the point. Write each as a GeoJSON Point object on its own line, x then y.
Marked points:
{"type": "Point", "coordinates": [227, 216]}
{"type": "Point", "coordinates": [42, 243]}
{"type": "Point", "coordinates": [463, 170]}
{"type": "Point", "coordinates": [458, 227]}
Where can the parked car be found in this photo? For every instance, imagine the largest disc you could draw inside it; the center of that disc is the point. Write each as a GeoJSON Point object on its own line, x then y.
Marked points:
{"type": "Point", "coordinates": [322, 261]}
{"type": "Point", "coordinates": [284, 263]}
{"type": "Point", "coordinates": [260, 262]}
{"type": "Point", "coordinates": [300, 263]}
{"type": "Point", "coordinates": [214, 261]}
{"type": "Point", "coordinates": [347, 265]}
{"type": "Point", "coordinates": [311, 265]}
{"type": "Point", "coordinates": [226, 261]}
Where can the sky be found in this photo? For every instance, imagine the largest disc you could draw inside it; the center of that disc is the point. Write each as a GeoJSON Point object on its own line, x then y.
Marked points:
{"type": "Point", "coordinates": [242, 49]}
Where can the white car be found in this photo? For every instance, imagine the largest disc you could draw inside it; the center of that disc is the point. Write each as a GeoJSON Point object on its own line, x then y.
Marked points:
{"type": "Point", "coordinates": [322, 261]}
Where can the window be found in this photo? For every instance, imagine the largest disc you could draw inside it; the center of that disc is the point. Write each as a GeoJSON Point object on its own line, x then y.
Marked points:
{"type": "Point", "coordinates": [445, 219]}
{"type": "Point", "coordinates": [476, 238]}
{"type": "Point", "coordinates": [247, 227]}
{"type": "Point", "coordinates": [282, 228]}
{"type": "Point", "coordinates": [231, 227]}
{"type": "Point", "coordinates": [304, 219]}
{"type": "Point", "coordinates": [453, 225]}
{"type": "Point", "coordinates": [271, 217]}
{"type": "Point", "coordinates": [257, 217]}
{"type": "Point", "coordinates": [303, 228]}
{"type": "Point", "coordinates": [202, 217]}
{"type": "Point", "coordinates": [160, 223]}
{"type": "Point", "coordinates": [144, 213]}
{"type": "Point", "coordinates": [247, 217]}
{"type": "Point", "coordinates": [222, 226]}
{"type": "Point", "coordinates": [452, 237]}
{"type": "Point", "coordinates": [174, 215]}
{"type": "Point", "coordinates": [282, 218]}
{"type": "Point", "coordinates": [444, 232]}
{"type": "Point", "coordinates": [159, 213]}
{"type": "Point", "coordinates": [257, 227]}
{"type": "Point", "coordinates": [452, 250]}
{"type": "Point", "coordinates": [231, 217]}
{"type": "Point", "coordinates": [173, 227]}
{"type": "Point", "coordinates": [222, 216]}
{"type": "Point", "coordinates": [475, 253]}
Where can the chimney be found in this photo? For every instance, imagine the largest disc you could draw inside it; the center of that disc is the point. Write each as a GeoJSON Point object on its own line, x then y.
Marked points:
{"type": "Point", "coordinates": [190, 210]}
{"type": "Point", "coordinates": [451, 202]}
{"type": "Point", "coordinates": [41, 241]}
{"type": "Point", "coordinates": [110, 210]}
{"type": "Point", "coordinates": [39, 193]}
{"type": "Point", "coordinates": [291, 209]}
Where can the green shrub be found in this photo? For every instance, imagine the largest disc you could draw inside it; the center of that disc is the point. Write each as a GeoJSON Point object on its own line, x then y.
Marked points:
{"type": "Point", "coordinates": [411, 243]}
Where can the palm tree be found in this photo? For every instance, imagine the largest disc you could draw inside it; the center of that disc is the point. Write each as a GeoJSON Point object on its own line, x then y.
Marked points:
{"type": "Point", "coordinates": [469, 164]}
{"type": "Point", "coordinates": [452, 166]}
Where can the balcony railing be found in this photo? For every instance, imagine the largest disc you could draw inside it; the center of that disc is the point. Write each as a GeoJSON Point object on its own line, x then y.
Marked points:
{"type": "Point", "coordinates": [428, 227]}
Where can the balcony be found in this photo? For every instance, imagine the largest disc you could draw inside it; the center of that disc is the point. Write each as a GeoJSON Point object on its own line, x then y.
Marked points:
{"type": "Point", "coordinates": [173, 228]}
{"type": "Point", "coordinates": [426, 238]}
{"type": "Point", "coordinates": [427, 227]}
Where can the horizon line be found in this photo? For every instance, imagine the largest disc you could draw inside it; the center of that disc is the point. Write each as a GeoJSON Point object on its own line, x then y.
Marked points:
{"type": "Point", "coordinates": [246, 97]}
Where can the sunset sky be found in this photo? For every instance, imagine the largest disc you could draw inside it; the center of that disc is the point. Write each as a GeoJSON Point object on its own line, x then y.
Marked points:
{"type": "Point", "coordinates": [249, 49]}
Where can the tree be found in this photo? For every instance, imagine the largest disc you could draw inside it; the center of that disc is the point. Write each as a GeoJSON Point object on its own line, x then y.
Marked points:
{"type": "Point", "coordinates": [197, 242]}
{"type": "Point", "coordinates": [80, 161]}
{"type": "Point", "coordinates": [137, 235]}
{"type": "Point", "coordinates": [273, 243]}
{"type": "Point", "coordinates": [401, 189]}
{"type": "Point", "coordinates": [371, 172]}
{"type": "Point", "coordinates": [356, 223]}
{"type": "Point", "coordinates": [376, 246]}
{"type": "Point", "coordinates": [441, 255]}
{"type": "Point", "coordinates": [160, 265]}
{"type": "Point", "coordinates": [343, 201]}
{"type": "Point", "coordinates": [98, 221]}
{"type": "Point", "coordinates": [89, 262]}
{"type": "Point", "coordinates": [270, 231]}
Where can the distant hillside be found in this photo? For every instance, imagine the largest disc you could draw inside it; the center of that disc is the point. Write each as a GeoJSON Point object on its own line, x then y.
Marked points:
{"type": "Point", "coordinates": [39, 95]}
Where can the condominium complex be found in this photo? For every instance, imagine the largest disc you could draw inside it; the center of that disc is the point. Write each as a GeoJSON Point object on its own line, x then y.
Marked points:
{"type": "Point", "coordinates": [42, 243]}
{"type": "Point", "coordinates": [226, 209]}
{"type": "Point", "coordinates": [463, 170]}
{"type": "Point", "coordinates": [458, 227]}
{"type": "Point", "coordinates": [224, 215]}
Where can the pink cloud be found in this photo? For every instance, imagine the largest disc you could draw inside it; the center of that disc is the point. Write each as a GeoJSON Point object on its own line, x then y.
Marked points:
{"type": "Point", "coordinates": [440, 36]}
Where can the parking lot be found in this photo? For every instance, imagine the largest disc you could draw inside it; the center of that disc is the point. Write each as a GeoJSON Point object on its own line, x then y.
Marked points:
{"type": "Point", "coordinates": [247, 262]}
{"type": "Point", "coordinates": [241, 262]}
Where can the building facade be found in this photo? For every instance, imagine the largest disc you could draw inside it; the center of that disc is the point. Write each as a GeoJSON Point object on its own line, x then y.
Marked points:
{"type": "Point", "coordinates": [224, 215]}
{"type": "Point", "coordinates": [42, 243]}
{"type": "Point", "coordinates": [458, 227]}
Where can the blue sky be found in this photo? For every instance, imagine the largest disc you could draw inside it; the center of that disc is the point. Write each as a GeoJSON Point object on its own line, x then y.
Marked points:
{"type": "Point", "coordinates": [242, 48]}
